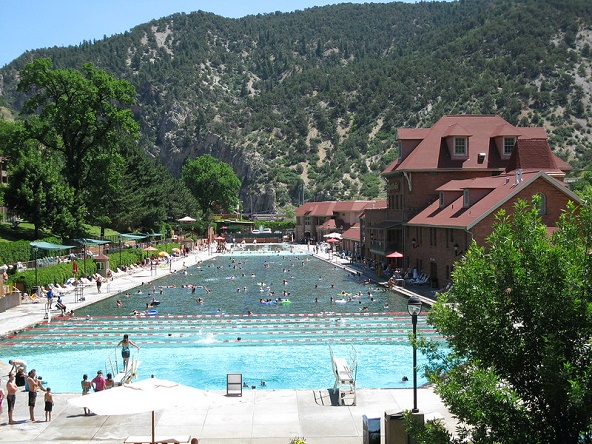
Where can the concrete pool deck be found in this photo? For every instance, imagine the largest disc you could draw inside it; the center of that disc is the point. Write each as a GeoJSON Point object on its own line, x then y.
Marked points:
{"type": "Point", "coordinates": [260, 416]}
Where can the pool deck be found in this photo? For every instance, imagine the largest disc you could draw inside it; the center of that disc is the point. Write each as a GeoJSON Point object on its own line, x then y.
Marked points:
{"type": "Point", "coordinates": [260, 416]}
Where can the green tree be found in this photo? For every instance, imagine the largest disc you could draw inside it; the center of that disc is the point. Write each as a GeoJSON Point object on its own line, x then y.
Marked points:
{"type": "Point", "coordinates": [518, 319]}
{"type": "Point", "coordinates": [212, 182]}
{"type": "Point", "coordinates": [80, 114]}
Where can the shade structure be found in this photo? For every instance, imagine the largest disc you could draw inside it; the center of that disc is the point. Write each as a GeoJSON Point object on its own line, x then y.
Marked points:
{"type": "Point", "coordinates": [333, 235]}
{"type": "Point", "coordinates": [163, 253]}
{"type": "Point", "coordinates": [187, 219]}
{"type": "Point", "coordinates": [176, 250]}
{"type": "Point", "coordinates": [220, 238]}
{"type": "Point", "coordinates": [150, 248]}
{"type": "Point", "coordinates": [147, 395]}
{"type": "Point", "coordinates": [224, 227]}
{"type": "Point", "coordinates": [394, 254]}
{"type": "Point", "coordinates": [332, 240]}
{"type": "Point", "coordinates": [50, 246]}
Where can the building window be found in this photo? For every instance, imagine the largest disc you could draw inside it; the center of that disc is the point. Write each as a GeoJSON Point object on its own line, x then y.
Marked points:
{"type": "Point", "coordinates": [441, 199]}
{"type": "Point", "coordinates": [460, 146]}
{"type": "Point", "coordinates": [509, 143]}
{"type": "Point", "coordinates": [307, 220]}
{"type": "Point", "coordinates": [540, 203]}
{"type": "Point", "coordinates": [466, 198]}
{"type": "Point", "coordinates": [433, 236]}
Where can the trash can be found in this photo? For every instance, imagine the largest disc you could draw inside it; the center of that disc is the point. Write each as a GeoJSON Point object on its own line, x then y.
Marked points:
{"type": "Point", "coordinates": [394, 427]}
{"type": "Point", "coordinates": [370, 430]}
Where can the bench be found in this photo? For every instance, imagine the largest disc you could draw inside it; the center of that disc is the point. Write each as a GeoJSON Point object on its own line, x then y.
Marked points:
{"type": "Point", "coordinates": [157, 439]}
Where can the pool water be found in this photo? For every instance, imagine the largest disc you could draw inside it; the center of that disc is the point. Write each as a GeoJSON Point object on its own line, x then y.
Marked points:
{"type": "Point", "coordinates": [286, 345]}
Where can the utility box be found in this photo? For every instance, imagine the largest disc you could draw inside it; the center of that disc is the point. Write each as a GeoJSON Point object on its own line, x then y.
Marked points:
{"type": "Point", "coordinates": [395, 425]}
{"type": "Point", "coordinates": [370, 430]}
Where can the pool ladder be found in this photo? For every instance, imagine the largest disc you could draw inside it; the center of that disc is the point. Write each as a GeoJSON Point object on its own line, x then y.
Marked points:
{"type": "Point", "coordinates": [127, 374]}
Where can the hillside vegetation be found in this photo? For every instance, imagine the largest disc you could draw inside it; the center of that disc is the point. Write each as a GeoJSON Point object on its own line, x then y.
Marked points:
{"type": "Point", "coordinates": [305, 105]}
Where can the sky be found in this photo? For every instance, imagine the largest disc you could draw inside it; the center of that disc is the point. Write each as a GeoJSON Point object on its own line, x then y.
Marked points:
{"type": "Point", "coordinates": [33, 24]}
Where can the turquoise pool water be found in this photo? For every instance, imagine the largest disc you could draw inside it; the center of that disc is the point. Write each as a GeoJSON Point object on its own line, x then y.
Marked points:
{"type": "Point", "coordinates": [287, 346]}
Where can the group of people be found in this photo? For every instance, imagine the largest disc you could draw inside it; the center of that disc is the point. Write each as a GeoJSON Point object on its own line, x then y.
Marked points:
{"type": "Point", "coordinates": [32, 384]}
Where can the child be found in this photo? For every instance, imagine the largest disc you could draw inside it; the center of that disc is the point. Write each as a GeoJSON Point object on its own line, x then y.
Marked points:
{"type": "Point", "coordinates": [48, 404]}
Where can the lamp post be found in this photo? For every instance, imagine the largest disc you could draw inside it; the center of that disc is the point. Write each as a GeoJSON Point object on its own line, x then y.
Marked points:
{"type": "Point", "coordinates": [414, 309]}
{"type": "Point", "coordinates": [120, 246]}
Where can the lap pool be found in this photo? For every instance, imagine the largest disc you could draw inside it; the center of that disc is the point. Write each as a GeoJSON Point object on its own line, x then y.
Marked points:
{"type": "Point", "coordinates": [287, 345]}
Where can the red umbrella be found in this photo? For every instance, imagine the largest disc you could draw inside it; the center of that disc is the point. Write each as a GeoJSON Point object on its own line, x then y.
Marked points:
{"type": "Point", "coordinates": [394, 254]}
{"type": "Point", "coordinates": [150, 248]}
{"type": "Point", "coordinates": [332, 240]}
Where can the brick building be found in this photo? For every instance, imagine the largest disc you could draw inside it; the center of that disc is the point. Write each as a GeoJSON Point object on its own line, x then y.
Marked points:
{"type": "Point", "coordinates": [451, 180]}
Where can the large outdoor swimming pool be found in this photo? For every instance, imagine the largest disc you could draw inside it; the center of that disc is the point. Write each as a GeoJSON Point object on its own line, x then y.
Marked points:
{"type": "Point", "coordinates": [287, 345]}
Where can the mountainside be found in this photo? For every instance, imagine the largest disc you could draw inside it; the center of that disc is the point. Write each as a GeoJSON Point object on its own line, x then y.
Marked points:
{"type": "Point", "coordinates": [305, 105]}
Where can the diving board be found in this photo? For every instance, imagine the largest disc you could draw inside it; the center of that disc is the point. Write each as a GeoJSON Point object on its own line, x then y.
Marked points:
{"type": "Point", "coordinates": [345, 376]}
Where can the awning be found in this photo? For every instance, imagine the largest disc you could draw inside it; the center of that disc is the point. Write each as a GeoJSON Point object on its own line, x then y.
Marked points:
{"type": "Point", "coordinates": [134, 236]}
{"type": "Point", "coordinates": [89, 241]}
{"type": "Point", "coordinates": [385, 225]}
{"type": "Point", "coordinates": [50, 246]}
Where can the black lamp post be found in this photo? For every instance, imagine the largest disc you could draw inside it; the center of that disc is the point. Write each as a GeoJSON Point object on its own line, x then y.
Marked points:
{"type": "Point", "coordinates": [120, 246]}
{"type": "Point", "coordinates": [414, 309]}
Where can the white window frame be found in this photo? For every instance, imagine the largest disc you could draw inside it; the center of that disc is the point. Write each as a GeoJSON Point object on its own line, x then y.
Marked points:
{"type": "Point", "coordinates": [509, 143]}
{"type": "Point", "coordinates": [458, 145]}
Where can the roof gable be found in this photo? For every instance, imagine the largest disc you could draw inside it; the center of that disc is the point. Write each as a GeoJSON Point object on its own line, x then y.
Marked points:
{"type": "Point", "coordinates": [502, 188]}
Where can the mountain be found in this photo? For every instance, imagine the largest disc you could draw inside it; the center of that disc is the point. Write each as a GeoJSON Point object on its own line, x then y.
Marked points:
{"type": "Point", "coordinates": [305, 105]}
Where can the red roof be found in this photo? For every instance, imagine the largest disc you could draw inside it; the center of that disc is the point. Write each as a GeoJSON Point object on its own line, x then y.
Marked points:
{"type": "Point", "coordinates": [535, 155]}
{"type": "Point", "coordinates": [432, 152]}
{"type": "Point", "coordinates": [353, 233]}
{"type": "Point", "coordinates": [328, 208]}
{"type": "Point", "coordinates": [501, 189]}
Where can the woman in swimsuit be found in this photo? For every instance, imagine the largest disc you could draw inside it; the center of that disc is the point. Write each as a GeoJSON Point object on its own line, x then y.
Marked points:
{"type": "Point", "coordinates": [125, 349]}
{"type": "Point", "coordinates": [86, 384]}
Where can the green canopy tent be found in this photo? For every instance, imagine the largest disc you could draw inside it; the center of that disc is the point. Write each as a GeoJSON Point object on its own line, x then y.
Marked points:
{"type": "Point", "coordinates": [130, 236]}
{"type": "Point", "coordinates": [46, 246]}
{"type": "Point", "coordinates": [90, 241]}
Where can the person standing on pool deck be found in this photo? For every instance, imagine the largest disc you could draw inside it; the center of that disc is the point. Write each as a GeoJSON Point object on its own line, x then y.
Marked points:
{"type": "Point", "coordinates": [11, 390]}
{"type": "Point", "coordinates": [125, 349]}
{"type": "Point", "coordinates": [34, 385]}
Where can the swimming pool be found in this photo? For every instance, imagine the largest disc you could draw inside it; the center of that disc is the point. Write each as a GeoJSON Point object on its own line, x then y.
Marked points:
{"type": "Point", "coordinates": [287, 346]}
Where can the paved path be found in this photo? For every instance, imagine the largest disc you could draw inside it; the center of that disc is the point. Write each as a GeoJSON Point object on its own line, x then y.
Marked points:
{"type": "Point", "coordinates": [258, 417]}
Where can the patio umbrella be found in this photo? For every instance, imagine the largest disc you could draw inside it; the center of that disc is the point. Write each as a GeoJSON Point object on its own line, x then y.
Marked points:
{"type": "Point", "coordinates": [147, 395]}
{"type": "Point", "coordinates": [176, 250]}
{"type": "Point", "coordinates": [333, 235]}
{"type": "Point", "coordinates": [224, 227]}
{"type": "Point", "coordinates": [163, 253]}
{"type": "Point", "coordinates": [186, 219]}
{"type": "Point", "coordinates": [394, 254]}
{"type": "Point", "coordinates": [150, 248]}
{"type": "Point", "coordinates": [220, 238]}
{"type": "Point", "coordinates": [332, 240]}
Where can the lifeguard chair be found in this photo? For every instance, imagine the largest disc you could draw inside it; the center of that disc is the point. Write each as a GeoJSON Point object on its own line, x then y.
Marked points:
{"type": "Point", "coordinates": [345, 376]}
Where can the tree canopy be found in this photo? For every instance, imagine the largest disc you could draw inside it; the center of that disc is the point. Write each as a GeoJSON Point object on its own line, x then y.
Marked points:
{"type": "Point", "coordinates": [75, 160]}
{"type": "Point", "coordinates": [518, 320]}
{"type": "Point", "coordinates": [212, 182]}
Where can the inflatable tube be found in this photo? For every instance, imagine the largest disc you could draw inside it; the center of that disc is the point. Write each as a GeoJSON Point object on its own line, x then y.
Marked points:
{"type": "Point", "coordinates": [340, 301]}
{"type": "Point", "coordinates": [286, 302]}
{"type": "Point", "coordinates": [151, 312]}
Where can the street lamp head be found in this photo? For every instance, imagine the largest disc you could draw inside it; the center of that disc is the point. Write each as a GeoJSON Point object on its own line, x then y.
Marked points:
{"type": "Point", "coordinates": [414, 306]}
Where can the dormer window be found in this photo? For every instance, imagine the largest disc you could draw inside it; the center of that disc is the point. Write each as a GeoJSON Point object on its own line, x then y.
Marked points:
{"type": "Point", "coordinates": [466, 198]}
{"type": "Point", "coordinates": [441, 199]}
{"type": "Point", "coordinates": [460, 146]}
{"type": "Point", "coordinates": [509, 143]}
